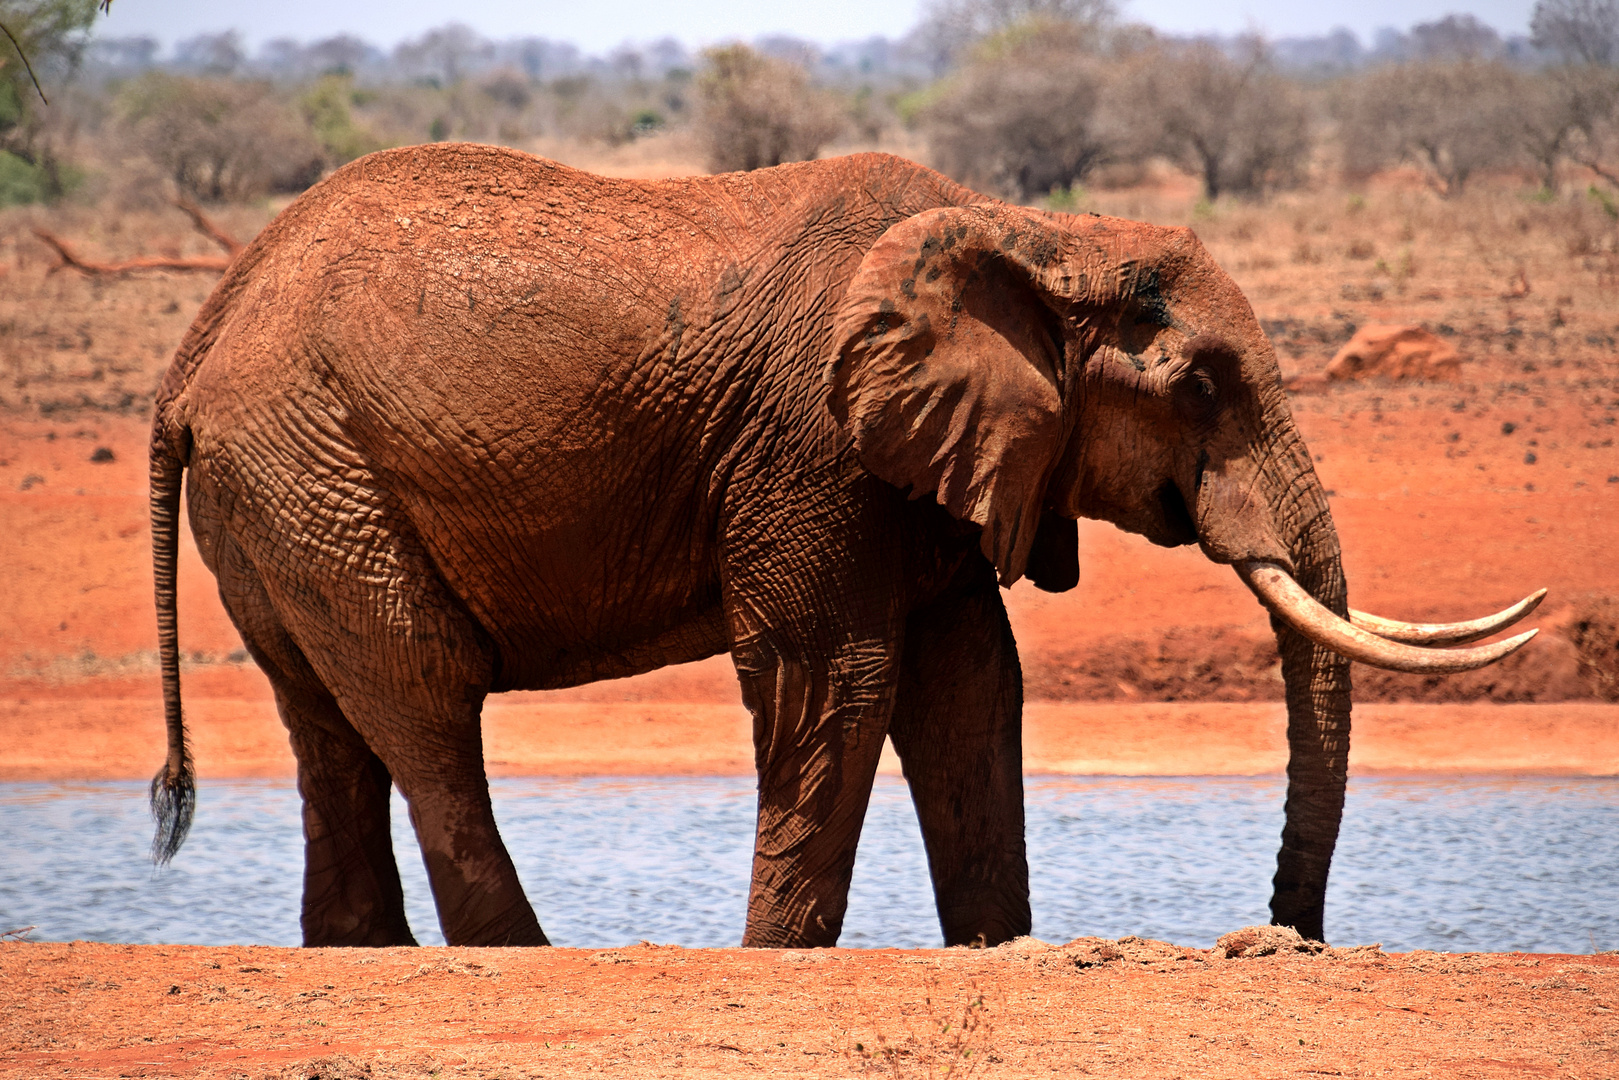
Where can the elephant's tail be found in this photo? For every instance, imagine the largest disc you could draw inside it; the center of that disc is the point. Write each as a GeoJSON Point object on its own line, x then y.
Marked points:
{"type": "Point", "coordinates": [174, 790]}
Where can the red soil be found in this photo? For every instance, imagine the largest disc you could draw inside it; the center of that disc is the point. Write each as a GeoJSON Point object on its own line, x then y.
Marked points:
{"type": "Point", "coordinates": [1127, 1009]}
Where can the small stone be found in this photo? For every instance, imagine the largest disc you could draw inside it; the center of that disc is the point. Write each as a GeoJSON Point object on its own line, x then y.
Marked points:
{"type": "Point", "coordinates": [102, 455]}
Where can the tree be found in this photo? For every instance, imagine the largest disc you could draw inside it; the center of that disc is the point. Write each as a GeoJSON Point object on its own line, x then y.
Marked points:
{"type": "Point", "coordinates": [754, 111]}
{"type": "Point", "coordinates": [40, 36]}
{"type": "Point", "coordinates": [445, 55]}
{"type": "Point", "coordinates": [950, 29]}
{"type": "Point", "coordinates": [1456, 37]}
{"type": "Point", "coordinates": [1583, 35]}
{"type": "Point", "coordinates": [1235, 123]}
{"type": "Point", "coordinates": [1577, 31]}
{"type": "Point", "coordinates": [1452, 120]}
{"type": "Point", "coordinates": [1566, 113]}
{"type": "Point", "coordinates": [1027, 114]}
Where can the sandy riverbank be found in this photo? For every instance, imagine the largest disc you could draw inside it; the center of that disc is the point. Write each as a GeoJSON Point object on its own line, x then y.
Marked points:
{"type": "Point", "coordinates": [52, 734]}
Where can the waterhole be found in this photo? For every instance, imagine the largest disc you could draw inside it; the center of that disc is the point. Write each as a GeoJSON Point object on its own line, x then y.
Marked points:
{"type": "Point", "coordinates": [1442, 864]}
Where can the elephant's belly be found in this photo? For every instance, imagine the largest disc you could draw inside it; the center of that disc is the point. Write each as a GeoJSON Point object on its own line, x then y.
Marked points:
{"type": "Point", "coordinates": [537, 660]}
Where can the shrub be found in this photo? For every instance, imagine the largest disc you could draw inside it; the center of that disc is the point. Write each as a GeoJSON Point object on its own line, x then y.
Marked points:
{"type": "Point", "coordinates": [20, 182]}
{"type": "Point", "coordinates": [326, 108]}
{"type": "Point", "coordinates": [754, 111]}
{"type": "Point", "coordinates": [1026, 115]}
{"type": "Point", "coordinates": [221, 140]}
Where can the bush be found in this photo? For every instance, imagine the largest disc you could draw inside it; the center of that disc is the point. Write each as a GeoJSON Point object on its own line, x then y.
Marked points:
{"type": "Point", "coordinates": [221, 140]}
{"type": "Point", "coordinates": [1026, 115]}
{"type": "Point", "coordinates": [326, 108]}
{"type": "Point", "coordinates": [754, 111]}
{"type": "Point", "coordinates": [20, 182]}
{"type": "Point", "coordinates": [52, 34]}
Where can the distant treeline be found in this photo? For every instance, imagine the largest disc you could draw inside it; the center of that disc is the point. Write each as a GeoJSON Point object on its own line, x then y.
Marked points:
{"type": "Point", "coordinates": [1029, 99]}
{"type": "Point", "coordinates": [453, 52]}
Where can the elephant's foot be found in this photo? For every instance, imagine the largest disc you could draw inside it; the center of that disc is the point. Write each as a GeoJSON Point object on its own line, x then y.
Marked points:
{"type": "Point", "coordinates": [773, 935]}
{"type": "Point", "coordinates": [514, 930]}
{"type": "Point", "coordinates": [328, 930]}
{"type": "Point", "coordinates": [983, 917]}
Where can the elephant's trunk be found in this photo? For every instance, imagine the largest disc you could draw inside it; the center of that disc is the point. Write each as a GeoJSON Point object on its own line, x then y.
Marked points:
{"type": "Point", "coordinates": [1317, 681]}
{"type": "Point", "coordinates": [1317, 636]}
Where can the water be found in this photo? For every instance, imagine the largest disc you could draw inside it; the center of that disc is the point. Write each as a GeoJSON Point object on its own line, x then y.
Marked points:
{"type": "Point", "coordinates": [1448, 865]}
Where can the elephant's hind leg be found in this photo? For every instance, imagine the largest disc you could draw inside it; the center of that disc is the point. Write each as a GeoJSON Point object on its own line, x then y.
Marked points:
{"type": "Point", "coordinates": [957, 728]}
{"type": "Point", "coordinates": [415, 696]}
{"type": "Point", "coordinates": [352, 895]}
{"type": "Point", "coordinates": [410, 670]}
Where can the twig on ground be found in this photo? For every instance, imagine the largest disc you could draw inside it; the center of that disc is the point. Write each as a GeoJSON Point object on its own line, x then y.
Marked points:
{"type": "Point", "coordinates": [68, 259]}
{"type": "Point", "coordinates": [19, 932]}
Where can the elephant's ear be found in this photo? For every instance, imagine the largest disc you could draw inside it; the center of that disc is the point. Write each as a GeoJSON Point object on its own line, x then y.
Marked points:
{"type": "Point", "coordinates": [945, 366]}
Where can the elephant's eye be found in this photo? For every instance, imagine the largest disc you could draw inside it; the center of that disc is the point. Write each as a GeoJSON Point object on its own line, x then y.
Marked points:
{"type": "Point", "coordinates": [1197, 392]}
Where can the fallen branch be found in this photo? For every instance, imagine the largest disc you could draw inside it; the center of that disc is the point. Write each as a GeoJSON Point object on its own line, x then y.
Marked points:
{"type": "Point", "coordinates": [68, 259]}
{"type": "Point", "coordinates": [205, 226]}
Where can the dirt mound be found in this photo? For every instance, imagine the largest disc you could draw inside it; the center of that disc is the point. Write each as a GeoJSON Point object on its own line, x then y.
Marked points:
{"type": "Point", "coordinates": [1395, 352]}
{"type": "Point", "coordinates": [1264, 941]}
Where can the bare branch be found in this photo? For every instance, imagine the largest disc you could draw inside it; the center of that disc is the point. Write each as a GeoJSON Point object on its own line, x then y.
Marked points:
{"type": "Point", "coordinates": [205, 226]}
{"type": "Point", "coordinates": [29, 67]}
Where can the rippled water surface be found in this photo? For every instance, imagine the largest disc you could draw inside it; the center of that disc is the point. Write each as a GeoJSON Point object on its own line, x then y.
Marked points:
{"type": "Point", "coordinates": [1438, 864]}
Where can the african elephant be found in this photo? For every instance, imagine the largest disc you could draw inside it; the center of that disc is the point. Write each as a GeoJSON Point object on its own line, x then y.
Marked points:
{"type": "Point", "coordinates": [462, 420]}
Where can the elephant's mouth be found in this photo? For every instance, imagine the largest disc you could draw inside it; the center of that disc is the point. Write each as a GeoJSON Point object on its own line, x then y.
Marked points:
{"type": "Point", "coordinates": [1179, 528]}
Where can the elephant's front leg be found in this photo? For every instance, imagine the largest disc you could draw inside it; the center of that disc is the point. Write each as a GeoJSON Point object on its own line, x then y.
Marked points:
{"type": "Point", "coordinates": [818, 726]}
{"type": "Point", "coordinates": [957, 728]}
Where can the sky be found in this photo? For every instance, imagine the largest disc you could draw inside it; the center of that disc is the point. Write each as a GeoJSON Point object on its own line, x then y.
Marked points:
{"type": "Point", "coordinates": [599, 25]}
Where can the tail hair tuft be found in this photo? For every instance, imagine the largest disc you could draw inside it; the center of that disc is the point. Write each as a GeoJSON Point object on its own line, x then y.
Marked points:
{"type": "Point", "coordinates": [174, 801]}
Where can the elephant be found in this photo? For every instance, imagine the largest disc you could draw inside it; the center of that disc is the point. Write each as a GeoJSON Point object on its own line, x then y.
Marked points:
{"type": "Point", "coordinates": [462, 420]}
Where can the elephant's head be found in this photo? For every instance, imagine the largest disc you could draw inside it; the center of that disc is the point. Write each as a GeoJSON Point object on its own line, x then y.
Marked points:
{"type": "Point", "coordinates": [1027, 369]}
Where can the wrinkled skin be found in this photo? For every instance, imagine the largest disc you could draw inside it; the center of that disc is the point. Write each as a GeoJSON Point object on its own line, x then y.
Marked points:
{"type": "Point", "coordinates": [463, 421]}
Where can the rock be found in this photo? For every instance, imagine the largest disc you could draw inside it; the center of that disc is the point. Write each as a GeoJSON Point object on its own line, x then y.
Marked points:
{"type": "Point", "coordinates": [1395, 352]}
{"type": "Point", "coordinates": [1264, 941]}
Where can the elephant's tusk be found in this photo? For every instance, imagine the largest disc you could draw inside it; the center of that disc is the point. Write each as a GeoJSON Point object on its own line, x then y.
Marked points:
{"type": "Point", "coordinates": [1456, 633]}
{"type": "Point", "coordinates": [1287, 599]}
